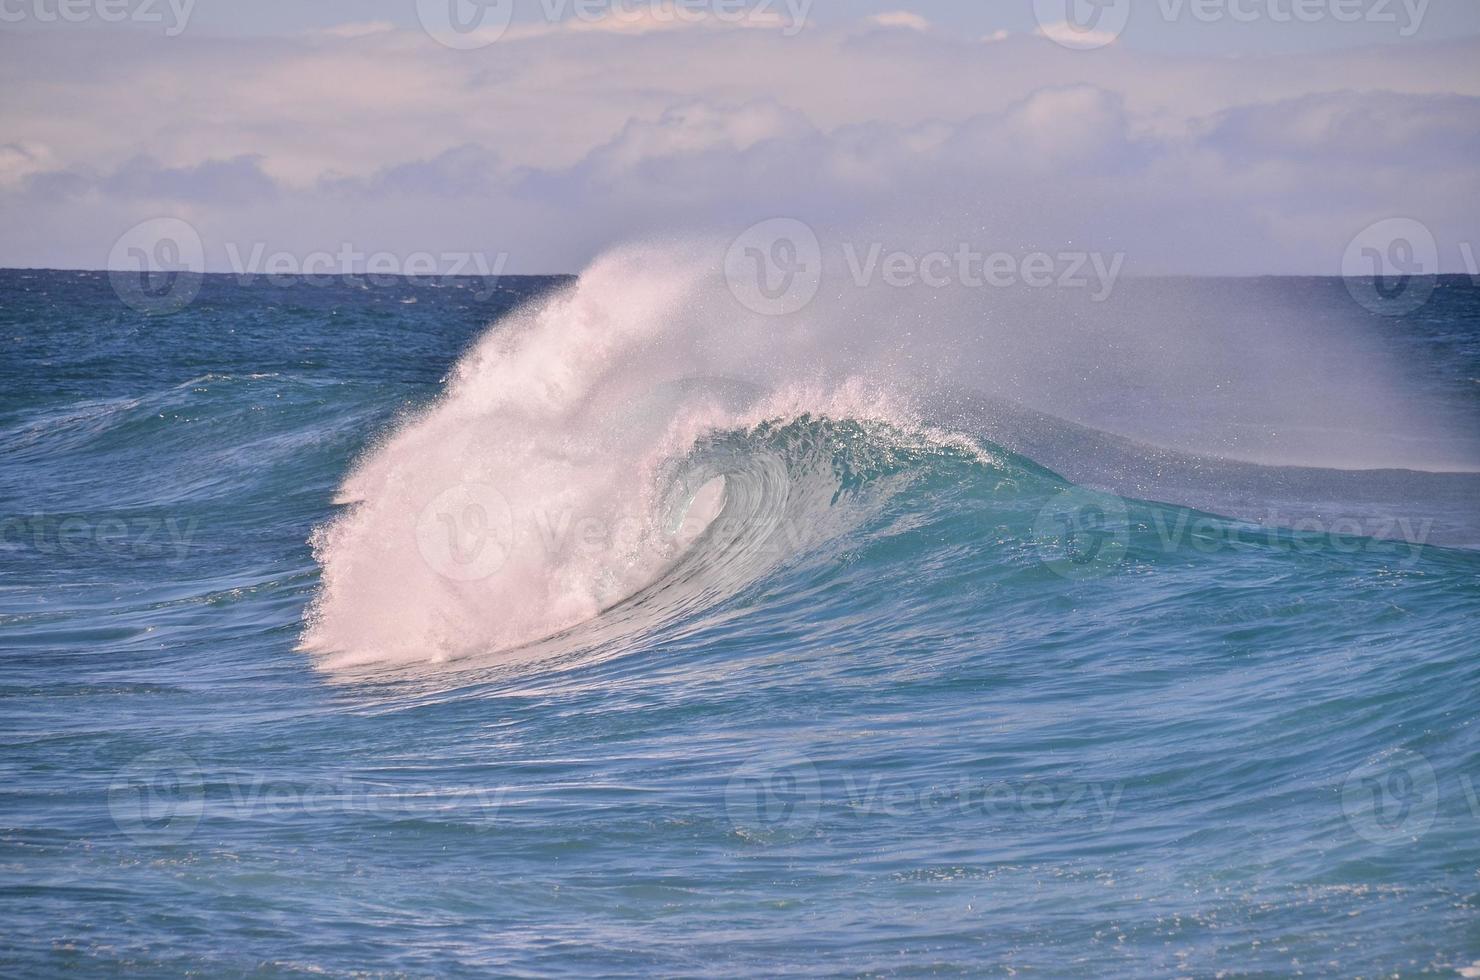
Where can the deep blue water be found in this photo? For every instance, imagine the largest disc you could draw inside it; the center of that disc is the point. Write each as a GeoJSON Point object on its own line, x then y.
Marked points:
{"type": "Point", "coordinates": [906, 707]}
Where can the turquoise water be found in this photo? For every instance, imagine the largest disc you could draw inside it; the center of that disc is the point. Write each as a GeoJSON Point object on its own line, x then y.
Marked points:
{"type": "Point", "coordinates": [905, 701]}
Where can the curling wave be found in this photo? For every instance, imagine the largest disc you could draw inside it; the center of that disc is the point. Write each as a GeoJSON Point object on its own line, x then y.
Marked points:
{"type": "Point", "coordinates": [576, 455]}
{"type": "Point", "coordinates": [638, 447]}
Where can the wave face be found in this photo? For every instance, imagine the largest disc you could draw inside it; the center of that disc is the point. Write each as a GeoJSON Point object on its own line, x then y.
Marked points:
{"type": "Point", "coordinates": [645, 636]}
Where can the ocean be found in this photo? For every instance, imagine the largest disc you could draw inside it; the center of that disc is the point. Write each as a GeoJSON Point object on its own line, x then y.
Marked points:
{"type": "Point", "coordinates": [591, 627]}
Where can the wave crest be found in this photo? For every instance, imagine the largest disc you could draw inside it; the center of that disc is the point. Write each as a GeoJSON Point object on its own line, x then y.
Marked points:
{"type": "Point", "coordinates": [577, 456]}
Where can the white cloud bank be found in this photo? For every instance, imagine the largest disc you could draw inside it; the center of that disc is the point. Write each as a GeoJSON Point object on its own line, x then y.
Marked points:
{"type": "Point", "coordinates": [552, 145]}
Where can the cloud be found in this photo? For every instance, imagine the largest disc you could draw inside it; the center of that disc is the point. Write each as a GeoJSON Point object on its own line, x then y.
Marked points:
{"type": "Point", "coordinates": [553, 146]}
{"type": "Point", "coordinates": [1350, 128]}
{"type": "Point", "coordinates": [666, 16]}
{"type": "Point", "coordinates": [1064, 129]}
{"type": "Point", "coordinates": [239, 180]}
{"type": "Point", "coordinates": [20, 160]}
{"type": "Point", "coordinates": [463, 171]}
{"type": "Point", "coordinates": [236, 181]}
{"type": "Point", "coordinates": [901, 18]}
{"type": "Point", "coordinates": [692, 128]}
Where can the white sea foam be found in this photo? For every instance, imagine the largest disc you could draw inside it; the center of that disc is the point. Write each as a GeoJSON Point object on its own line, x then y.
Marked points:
{"type": "Point", "coordinates": [538, 491]}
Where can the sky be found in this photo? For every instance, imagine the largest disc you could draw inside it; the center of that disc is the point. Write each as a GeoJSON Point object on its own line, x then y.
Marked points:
{"type": "Point", "coordinates": [1190, 136]}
